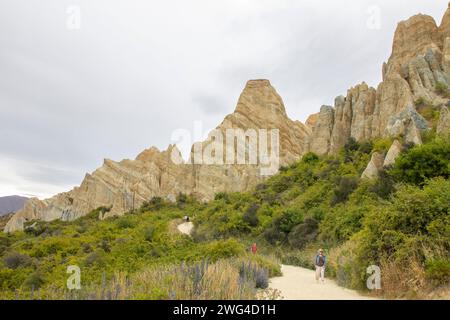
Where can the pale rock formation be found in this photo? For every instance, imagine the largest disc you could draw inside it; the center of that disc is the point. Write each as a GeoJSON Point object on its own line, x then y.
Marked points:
{"type": "Point", "coordinates": [322, 131]}
{"type": "Point", "coordinates": [420, 58]}
{"type": "Point", "coordinates": [341, 123]}
{"type": "Point", "coordinates": [394, 151]}
{"type": "Point", "coordinates": [125, 185]}
{"type": "Point", "coordinates": [374, 167]}
{"type": "Point", "coordinates": [311, 120]}
{"type": "Point", "coordinates": [353, 116]}
{"type": "Point", "coordinates": [408, 124]}
{"type": "Point", "coordinates": [260, 107]}
{"type": "Point", "coordinates": [443, 126]}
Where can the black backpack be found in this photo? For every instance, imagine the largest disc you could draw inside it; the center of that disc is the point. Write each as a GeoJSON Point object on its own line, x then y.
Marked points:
{"type": "Point", "coordinates": [321, 261]}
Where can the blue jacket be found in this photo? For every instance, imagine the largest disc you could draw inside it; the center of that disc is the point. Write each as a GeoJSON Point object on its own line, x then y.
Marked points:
{"type": "Point", "coordinates": [324, 260]}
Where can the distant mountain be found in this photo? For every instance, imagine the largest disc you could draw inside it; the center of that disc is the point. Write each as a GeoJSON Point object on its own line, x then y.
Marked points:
{"type": "Point", "coordinates": [11, 204]}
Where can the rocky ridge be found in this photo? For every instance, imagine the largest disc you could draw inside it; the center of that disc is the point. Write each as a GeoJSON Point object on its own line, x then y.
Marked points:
{"type": "Point", "coordinates": [125, 185]}
{"type": "Point", "coordinates": [420, 60]}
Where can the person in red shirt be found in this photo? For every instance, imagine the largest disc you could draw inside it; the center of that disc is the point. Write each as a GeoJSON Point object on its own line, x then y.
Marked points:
{"type": "Point", "coordinates": [254, 248]}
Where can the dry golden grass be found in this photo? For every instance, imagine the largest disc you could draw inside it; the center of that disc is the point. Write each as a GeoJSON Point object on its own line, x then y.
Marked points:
{"type": "Point", "coordinates": [234, 279]}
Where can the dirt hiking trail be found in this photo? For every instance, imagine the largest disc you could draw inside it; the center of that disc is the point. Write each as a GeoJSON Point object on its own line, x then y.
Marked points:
{"type": "Point", "coordinates": [299, 284]}
{"type": "Point", "coordinates": [186, 228]}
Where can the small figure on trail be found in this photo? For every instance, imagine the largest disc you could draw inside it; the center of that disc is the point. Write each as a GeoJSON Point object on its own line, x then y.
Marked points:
{"type": "Point", "coordinates": [320, 263]}
{"type": "Point", "coordinates": [186, 218]}
{"type": "Point", "coordinates": [253, 248]}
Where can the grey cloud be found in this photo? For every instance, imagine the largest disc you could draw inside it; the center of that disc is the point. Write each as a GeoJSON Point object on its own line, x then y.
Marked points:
{"type": "Point", "coordinates": [209, 104]}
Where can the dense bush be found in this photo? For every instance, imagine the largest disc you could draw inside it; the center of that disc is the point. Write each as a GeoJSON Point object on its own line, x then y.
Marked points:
{"type": "Point", "coordinates": [250, 216]}
{"type": "Point", "coordinates": [441, 88]}
{"type": "Point", "coordinates": [303, 233]}
{"type": "Point", "coordinates": [423, 162]}
{"type": "Point", "coordinates": [399, 220]}
{"type": "Point", "coordinates": [438, 270]}
{"type": "Point", "coordinates": [289, 218]}
{"type": "Point", "coordinates": [384, 186]}
{"type": "Point", "coordinates": [344, 188]}
{"type": "Point", "coordinates": [310, 157]}
{"type": "Point", "coordinates": [34, 281]}
{"type": "Point", "coordinates": [14, 260]}
{"type": "Point", "coordinates": [410, 230]}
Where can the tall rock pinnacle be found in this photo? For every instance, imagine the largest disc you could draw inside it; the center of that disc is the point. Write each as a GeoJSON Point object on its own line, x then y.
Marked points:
{"type": "Point", "coordinates": [125, 185]}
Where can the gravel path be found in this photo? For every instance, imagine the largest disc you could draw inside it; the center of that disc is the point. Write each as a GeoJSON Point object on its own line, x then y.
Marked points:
{"type": "Point", "coordinates": [186, 228]}
{"type": "Point", "coordinates": [299, 284]}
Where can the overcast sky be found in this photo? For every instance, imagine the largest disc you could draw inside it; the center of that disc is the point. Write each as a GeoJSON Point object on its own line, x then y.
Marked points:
{"type": "Point", "coordinates": [81, 81]}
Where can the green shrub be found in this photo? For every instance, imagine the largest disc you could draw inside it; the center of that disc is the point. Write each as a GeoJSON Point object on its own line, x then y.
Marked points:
{"type": "Point", "coordinates": [250, 216]}
{"type": "Point", "coordinates": [382, 144]}
{"type": "Point", "coordinates": [342, 222]}
{"type": "Point", "coordinates": [94, 258]}
{"type": "Point", "coordinates": [423, 162]}
{"type": "Point", "coordinates": [345, 186]}
{"type": "Point", "coordinates": [125, 223]}
{"type": "Point", "coordinates": [365, 147]}
{"type": "Point", "coordinates": [182, 200]}
{"type": "Point", "coordinates": [351, 145]}
{"type": "Point", "coordinates": [310, 157]}
{"type": "Point", "coordinates": [274, 236]}
{"type": "Point", "coordinates": [421, 101]}
{"type": "Point", "coordinates": [224, 249]}
{"type": "Point", "coordinates": [438, 270]}
{"type": "Point", "coordinates": [34, 281]}
{"type": "Point", "coordinates": [384, 186]}
{"type": "Point", "coordinates": [289, 218]}
{"type": "Point", "coordinates": [155, 203]}
{"type": "Point", "coordinates": [441, 88]}
{"type": "Point", "coordinates": [222, 196]}
{"type": "Point", "coordinates": [412, 225]}
{"type": "Point", "coordinates": [303, 233]}
{"type": "Point", "coordinates": [14, 260]}
{"type": "Point", "coordinates": [149, 233]}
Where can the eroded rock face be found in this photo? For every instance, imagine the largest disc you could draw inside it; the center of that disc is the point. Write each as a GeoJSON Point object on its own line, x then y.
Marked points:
{"type": "Point", "coordinates": [374, 167]}
{"type": "Point", "coordinates": [125, 185]}
{"type": "Point", "coordinates": [408, 124]}
{"type": "Point", "coordinates": [420, 59]}
{"type": "Point", "coordinates": [322, 131]}
{"type": "Point", "coordinates": [394, 151]}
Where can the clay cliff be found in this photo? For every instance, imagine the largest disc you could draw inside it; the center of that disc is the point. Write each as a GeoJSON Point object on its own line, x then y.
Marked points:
{"type": "Point", "coordinates": [125, 185]}
{"type": "Point", "coordinates": [420, 61]}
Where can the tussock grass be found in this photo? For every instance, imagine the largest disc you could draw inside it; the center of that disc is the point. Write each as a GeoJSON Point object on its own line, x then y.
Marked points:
{"type": "Point", "coordinates": [236, 278]}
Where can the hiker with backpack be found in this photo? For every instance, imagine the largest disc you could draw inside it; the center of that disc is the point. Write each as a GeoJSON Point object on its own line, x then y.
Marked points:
{"type": "Point", "coordinates": [320, 263]}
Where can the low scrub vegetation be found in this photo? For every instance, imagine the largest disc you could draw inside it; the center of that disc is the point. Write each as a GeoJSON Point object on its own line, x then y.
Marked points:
{"type": "Point", "coordinates": [399, 222]}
